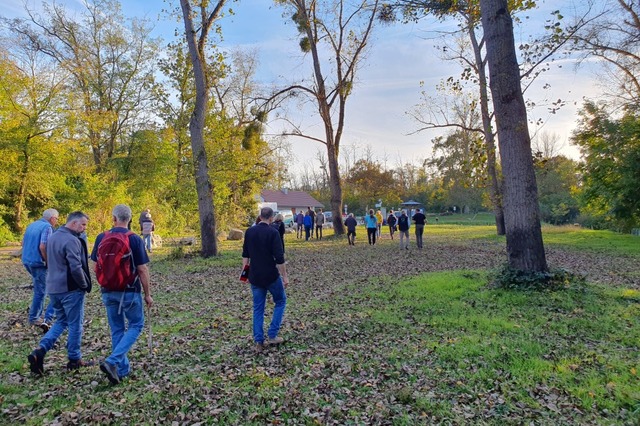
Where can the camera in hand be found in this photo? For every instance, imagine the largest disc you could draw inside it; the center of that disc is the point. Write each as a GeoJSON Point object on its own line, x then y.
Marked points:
{"type": "Point", "coordinates": [244, 275]}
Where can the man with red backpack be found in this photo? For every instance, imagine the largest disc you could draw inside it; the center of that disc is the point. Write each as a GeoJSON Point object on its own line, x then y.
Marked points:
{"type": "Point", "coordinates": [121, 271]}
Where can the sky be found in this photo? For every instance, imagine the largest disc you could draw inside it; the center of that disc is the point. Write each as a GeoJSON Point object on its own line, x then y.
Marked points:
{"type": "Point", "coordinates": [401, 57]}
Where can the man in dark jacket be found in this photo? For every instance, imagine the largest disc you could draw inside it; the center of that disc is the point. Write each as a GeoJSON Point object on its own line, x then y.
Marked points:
{"type": "Point", "coordinates": [403, 229]}
{"type": "Point", "coordinates": [68, 280]}
{"type": "Point", "coordinates": [351, 224]}
{"type": "Point", "coordinates": [262, 250]}
{"type": "Point", "coordinates": [419, 219]}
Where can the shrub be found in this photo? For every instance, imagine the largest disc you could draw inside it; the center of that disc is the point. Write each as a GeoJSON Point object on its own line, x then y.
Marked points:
{"type": "Point", "coordinates": [514, 279]}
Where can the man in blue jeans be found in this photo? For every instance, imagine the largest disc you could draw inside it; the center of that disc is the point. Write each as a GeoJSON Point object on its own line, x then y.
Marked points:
{"type": "Point", "coordinates": [68, 280]}
{"type": "Point", "coordinates": [262, 251]}
{"type": "Point", "coordinates": [124, 305]}
{"type": "Point", "coordinates": [34, 259]}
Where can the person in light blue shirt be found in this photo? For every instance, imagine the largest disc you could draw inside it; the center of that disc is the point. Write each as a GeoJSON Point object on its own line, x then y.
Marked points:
{"type": "Point", "coordinates": [34, 259]}
{"type": "Point", "coordinates": [371, 223]}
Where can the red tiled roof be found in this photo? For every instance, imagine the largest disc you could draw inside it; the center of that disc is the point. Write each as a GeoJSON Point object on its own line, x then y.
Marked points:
{"type": "Point", "coordinates": [290, 199]}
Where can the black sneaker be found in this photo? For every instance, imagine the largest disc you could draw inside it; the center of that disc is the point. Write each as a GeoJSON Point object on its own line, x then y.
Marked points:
{"type": "Point", "coordinates": [78, 363]}
{"type": "Point", "coordinates": [111, 371]}
{"type": "Point", "coordinates": [45, 327]}
{"type": "Point", "coordinates": [36, 361]}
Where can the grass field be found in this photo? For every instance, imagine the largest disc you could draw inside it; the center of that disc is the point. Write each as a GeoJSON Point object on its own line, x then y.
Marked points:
{"type": "Point", "coordinates": [374, 335]}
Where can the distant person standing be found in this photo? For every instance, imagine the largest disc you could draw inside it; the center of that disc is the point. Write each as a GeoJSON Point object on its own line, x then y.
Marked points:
{"type": "Point", "coordinates": [319, 224]}
{"type": "Point", "coordinates": [68, 280]}
{"type": "Point", "coordinates": [148, 228]}
{"type": "Point", "coordinates": [299, 224]}
{"type": "Point", "coordinates": [308, 224]}
{"type": "Point", "coordinates": [391, 221]}
{"type": "Point", "coordinates": [142, 217]}
{"type": "Point", "coordinates": [312, 213]}
{"type": "Point", "coordinates": [403, 229]}
{"type": "Point", "coordinates": [351, 223]}
{"type": "Point", "coordinates": [34, 259]}
{"type": "Point", "coordinates": [278, 224]}
{"type": "Point", "coordinates": [419, 220]}
{"type": "Point", "coordinates": [262, 252]}
{"type": "Point", "coordinates": [371, 223]}
{"type": "Point", "coordinates": [380, 220]}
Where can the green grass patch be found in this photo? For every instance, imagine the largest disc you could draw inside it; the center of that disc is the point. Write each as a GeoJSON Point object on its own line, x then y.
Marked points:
{"type": "Point", "coordinates": [583, 343]}
{"type": "Point", "coordinates": [592, 240]}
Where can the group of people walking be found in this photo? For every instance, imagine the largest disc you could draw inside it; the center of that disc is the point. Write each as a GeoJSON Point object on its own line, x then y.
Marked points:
{"type": "Point", "coordinates": [58, 261]}
{"type": "Point", "coordinates": [373, 224]}
{"type": "Point", "coordinates": [306, 222]}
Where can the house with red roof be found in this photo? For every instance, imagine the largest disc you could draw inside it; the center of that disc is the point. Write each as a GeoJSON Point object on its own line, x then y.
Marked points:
{"type": "Point", "coordinates": [285, 200]}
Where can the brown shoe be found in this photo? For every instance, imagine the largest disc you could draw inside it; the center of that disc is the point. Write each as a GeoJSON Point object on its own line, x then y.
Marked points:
{"type": "Point", "coordinates": [275, 341]}
{"type": "Point", "coordinates": [258, 348]}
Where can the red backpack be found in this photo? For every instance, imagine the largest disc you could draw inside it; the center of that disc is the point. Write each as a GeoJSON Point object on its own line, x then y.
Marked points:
{"type": "Point", "coordinates": [115, 268]}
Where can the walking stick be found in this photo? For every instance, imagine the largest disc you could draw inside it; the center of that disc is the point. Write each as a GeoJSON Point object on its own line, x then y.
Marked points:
{"type": "Point", "coordinates": [149, 333]}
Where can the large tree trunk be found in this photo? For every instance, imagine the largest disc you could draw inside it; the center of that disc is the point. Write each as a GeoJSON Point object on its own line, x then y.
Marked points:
{"type": "Point", "coordinates": [525, 248]}
{"type": "Point", "coordinates": [196, 128]}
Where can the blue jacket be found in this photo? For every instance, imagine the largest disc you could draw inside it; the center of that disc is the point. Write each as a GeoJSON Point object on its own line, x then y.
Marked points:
{"type": "Point", "coordinates": [31, 244]}
{"type": "Point", "coordinates": [308, 220]}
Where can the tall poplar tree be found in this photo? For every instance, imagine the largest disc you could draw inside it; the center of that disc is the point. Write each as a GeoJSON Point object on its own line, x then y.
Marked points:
{"type": "Point", "coordinates": [525, 249]}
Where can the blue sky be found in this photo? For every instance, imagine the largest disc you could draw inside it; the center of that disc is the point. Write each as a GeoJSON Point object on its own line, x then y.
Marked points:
{"type": "Point", "coordinates": [388, 85]}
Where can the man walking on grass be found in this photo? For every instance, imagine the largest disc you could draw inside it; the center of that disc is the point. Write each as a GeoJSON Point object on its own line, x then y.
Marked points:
{"type": "Point", "coordinates": [262, 251]}
{"type": "Point", "coordinates": [68, 280]}
{"type": "Point", "coordinates": [403, 230]}
{"type": "Point", "coordinates": [34, 259]}
{"type": "Point", "coordinates": [121, 293]}
{"type": "Point", "coordinates": [419, 220]}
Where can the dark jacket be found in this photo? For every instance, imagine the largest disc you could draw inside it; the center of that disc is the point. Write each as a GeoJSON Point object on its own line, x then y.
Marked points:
{"type": "Point", "coordinates": [263, 246]}
{"type": "Point", "coordinates": [403, 223]}
{"type": "Point", "coordinates": [279, 226]}
{"type": "Point", "coordinates": [67, 261]}
{"type": "Point", "coordinates": [351, 224]}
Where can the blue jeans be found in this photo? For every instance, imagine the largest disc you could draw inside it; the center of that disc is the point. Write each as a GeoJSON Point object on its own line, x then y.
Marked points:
{"type": "Point", "coordinates": [147, 242]}
{"type": "Point", "coordinates": [39, 277]}
{"type": "Point", "coordinates": [276, 289]}
{"type": "Point", "coordinates": [69, 311]}
{"type": "Point", "coordinates": [123, 336]}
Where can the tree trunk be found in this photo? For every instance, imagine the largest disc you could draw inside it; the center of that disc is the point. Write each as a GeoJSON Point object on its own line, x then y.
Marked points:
{"type": "Point", "coordinates": [525, 249]}
{"type": "Point", "coordinates": [489, 140]}
{"type": "Point", "coordinates": [22, 189]}
{"type": "Point", "coordinates": [196, 128]}
{"type": "Point", "coordinates": [335, 183]}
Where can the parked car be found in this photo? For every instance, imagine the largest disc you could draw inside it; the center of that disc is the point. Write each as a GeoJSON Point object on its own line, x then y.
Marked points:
{"type": "Point", "coordinates": [328, 220]}
{"type": "Point", "coordinates": [287, 219]}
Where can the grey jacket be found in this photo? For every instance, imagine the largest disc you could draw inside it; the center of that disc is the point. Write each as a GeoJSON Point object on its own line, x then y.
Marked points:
{"type": "Point", "coordinates": [67, 259]}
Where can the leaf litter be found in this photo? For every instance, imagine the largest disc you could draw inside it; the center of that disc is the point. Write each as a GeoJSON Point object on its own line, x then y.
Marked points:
{"type": "Point", "coordinates": [337, 366]}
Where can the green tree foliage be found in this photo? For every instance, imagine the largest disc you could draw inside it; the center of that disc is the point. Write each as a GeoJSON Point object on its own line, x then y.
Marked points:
{"type": "Point", "coordinates": [557, 179]}
{"type": "Point", "coordinates": [368, 182]}
{"type": "Point", "coordinates": [611, 170]}
{"type": "Point", "coordinates": [110, 60]}
{"type": "Point", "coordinates": [31, 153]}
